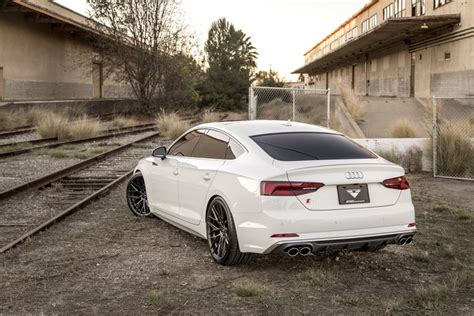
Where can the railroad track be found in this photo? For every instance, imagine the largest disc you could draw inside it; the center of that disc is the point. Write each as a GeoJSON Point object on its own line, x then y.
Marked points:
{"type": "Point", "coordinates": [110, 133]}
{"type": "Point", "coordinates": [64, 192]}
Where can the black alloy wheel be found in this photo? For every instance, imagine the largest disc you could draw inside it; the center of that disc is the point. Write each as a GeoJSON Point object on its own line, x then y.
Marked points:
{"type": "Point", "coordinates": [222, 236]}
{"type": "Point", "coordinates": [136, 196]}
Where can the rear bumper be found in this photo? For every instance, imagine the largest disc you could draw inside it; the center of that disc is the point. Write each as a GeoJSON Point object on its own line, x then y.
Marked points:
{"type": "Point", "coordinates": [341, 244]}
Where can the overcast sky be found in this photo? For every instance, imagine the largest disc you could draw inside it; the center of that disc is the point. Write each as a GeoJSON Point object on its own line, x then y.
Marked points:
{"type": "Point", "coordinates": [281, 30]}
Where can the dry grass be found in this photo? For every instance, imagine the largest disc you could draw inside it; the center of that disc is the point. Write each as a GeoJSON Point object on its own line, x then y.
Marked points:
{"type": "Point", "coordinates": [403, 129]}
{"type": "Point", "coordinates": [319, 277]}
{"type": "Point", "coordinates": [352, 103]}
{"type": "Point", "coordinates": [52, 125]}
{"type": "Point", "coordinates": [122, 121]}
{"type": "Point", "coordinates": [161, 298]}
{"type": "Point", "coordinates": [310, 109]}
{"type": "Point", "coordinates": [209, 116]}
{"type": "Point", "coordinates": [85, 127]}
{"type": "Point", "coordinates": [248, 289]}
{"type": "Point", "coordinates": [171, 125]}
{"type": "Point", "coordinates": [12, 120]}
{"type": "Point", "coordinates": [455, 150]}
{"type": "Point", "coordinates": [236, 116]}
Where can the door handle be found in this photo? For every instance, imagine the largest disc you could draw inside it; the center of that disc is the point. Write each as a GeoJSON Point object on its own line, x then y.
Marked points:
{"type": "Point", "coordinates": [175, 172]}
{"type": "Point", "coordinates": [207, 177]}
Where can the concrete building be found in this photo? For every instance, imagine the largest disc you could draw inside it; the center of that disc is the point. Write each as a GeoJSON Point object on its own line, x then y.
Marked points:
{"type": "Point", "coordinates": [46, 54]}
{"type": "Point", "coordinates": [400, 48]}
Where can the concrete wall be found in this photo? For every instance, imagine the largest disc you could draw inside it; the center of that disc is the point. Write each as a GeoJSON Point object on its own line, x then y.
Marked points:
{"type": "Point", "coordinates": [388, 72]}
{"type": "Point", "coordinates": [42, 63]}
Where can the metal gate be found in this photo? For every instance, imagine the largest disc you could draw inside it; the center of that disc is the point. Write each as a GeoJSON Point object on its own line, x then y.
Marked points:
{"type": "Point", "coordinates": [299, 105]}
{"type": "Point", "coordinates": [453, 137]}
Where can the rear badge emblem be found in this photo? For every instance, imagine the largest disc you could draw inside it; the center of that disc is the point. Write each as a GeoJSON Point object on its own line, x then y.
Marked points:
{"type": "Point", "coordinates": [354, 192]}
{"type": "Point", "coordinates": [351, 175]}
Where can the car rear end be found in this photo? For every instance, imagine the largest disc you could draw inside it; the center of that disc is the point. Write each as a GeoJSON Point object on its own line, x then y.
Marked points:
{"type": "Point", "coordinates": [331, 194]}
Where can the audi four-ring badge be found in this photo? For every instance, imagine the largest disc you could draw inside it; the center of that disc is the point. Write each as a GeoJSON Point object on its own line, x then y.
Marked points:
{"type": "Point", "coordinates": [267, 187]}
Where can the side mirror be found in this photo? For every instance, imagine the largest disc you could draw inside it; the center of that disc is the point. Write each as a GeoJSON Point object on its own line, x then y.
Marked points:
{"type": "Point", "coordinates": [160, 152]}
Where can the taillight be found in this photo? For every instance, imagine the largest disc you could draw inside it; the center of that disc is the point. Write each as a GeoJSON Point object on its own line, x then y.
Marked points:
{"type": "Point", "coordinates": [399, 183]}
{"type": "Point", "coordinates": [282, 188]}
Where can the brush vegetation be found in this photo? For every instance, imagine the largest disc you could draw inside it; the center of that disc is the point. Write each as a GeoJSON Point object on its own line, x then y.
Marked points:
{"type": "Point", "coordinates": [122, 121]}
{"type": "Point", "coordinates": [171, 125]}
{"type": "Point", "coordinates": [51, 124]}
{"type": "Point", "coordinates": [248, 289]}
{"type": "Point", "coordinates": [352, 103]}
{"type": "Point", "coordinates": [403, 129]}
{"type": "Point", "coordinates": [319, 277]}
{"type": "Point", "coordinates": [454, 149]}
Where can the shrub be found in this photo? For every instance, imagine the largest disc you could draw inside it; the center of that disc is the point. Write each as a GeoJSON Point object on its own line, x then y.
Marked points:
{"type": "Point", "coordinates": [236, 116]}
{"type": "Point", "coordinates": [411, 160]}
{"type": "Point", "coordinates": [52, 125]}
{"type": "Point", "coordinates": [454, 149]}
{"type": "Point", "coordinates": [171, 125]}
{"type": "Point", "coordinates": [403, 129]}
{"type": "Point", "coordinates": [84, 128]}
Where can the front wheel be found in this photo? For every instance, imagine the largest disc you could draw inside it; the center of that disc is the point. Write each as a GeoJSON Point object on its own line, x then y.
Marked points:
{"type": "Point", "coordinates": [222, 235]}
{"type": "Point", "coordinates": [136, 196]}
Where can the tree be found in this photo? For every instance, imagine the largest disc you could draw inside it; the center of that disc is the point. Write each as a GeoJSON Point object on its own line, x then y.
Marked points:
{"type": "Point", "coordinates": [269, 79]}
{"type": "Point", "coordinates": [231, 60]}
{"type": "Point", "coordinates": [143, 42]}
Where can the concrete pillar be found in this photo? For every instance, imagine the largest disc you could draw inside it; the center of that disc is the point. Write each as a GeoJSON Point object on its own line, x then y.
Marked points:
{"type": "Point", "coordinates": [97, 80]}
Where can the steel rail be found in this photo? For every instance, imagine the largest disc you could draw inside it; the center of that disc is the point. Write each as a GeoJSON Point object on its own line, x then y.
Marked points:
{"type": "Point", "coordinates": [85, 140]}
{"type": "Point", "coordinates": [55, 176]}
{"type": "Point", "coordinates": [79, 205]}
{"type": "Point", "coordinates": [18, 131]}
{"type": "Point", "coordinates": [51, 139]}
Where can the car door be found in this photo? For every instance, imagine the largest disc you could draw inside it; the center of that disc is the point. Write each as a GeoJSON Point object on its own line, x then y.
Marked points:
{"type": "Point", "coordinates": [163, 183]}
{"type": "Point", "coordinates": [197, 174]}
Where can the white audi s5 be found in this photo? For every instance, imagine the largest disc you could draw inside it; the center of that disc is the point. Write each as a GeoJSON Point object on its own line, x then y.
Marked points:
{"type": "Point", "coordinates": [274, 187]}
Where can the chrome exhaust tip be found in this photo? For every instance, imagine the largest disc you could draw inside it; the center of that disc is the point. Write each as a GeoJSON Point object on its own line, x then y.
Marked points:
{"type": "Point", "coordinates": [402, 241]}
{"type": "Point", "coordinates": [409, 239]}
{"type": "Point", "coordinates": [305, 251]}
{"type": "Point", "coordinates": [293, 252]}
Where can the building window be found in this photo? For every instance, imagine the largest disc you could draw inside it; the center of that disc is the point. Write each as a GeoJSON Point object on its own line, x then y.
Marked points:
{"type": "Point", "coordinates": [365, 26]}
{"type": "Point", "coordinates": [373, 21]}
{"type": "Point", "coordinates": [355, 32]}
{"type": "Point", "coordinates": [421, 56]}
{"type": "Point", "coordinates": [447, 55]}
{"type": "Point", "coordinates": [399, 8]}
{"type": "Point", "coordinates": [388, 11]}
{"type": "Point", "coordinates": [440, 3]}
{"type": "Point", "coordinates": [418, 7]}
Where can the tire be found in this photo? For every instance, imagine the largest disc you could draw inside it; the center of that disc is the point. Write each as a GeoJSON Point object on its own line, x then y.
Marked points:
{"type": "Point", "coordinates": [222, 235]}
{"type": "Point", "coordinates": [136, 196]}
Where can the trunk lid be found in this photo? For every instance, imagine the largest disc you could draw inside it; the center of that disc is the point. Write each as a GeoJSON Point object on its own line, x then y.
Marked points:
{"type": "Point", "coordinates": [355, 179]}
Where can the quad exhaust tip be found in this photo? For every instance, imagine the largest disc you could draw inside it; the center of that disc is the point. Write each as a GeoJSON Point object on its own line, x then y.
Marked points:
{"type": "Point", "coordinates": [405, 240]}
{"type": "Point", "coordinates": [293, 252]}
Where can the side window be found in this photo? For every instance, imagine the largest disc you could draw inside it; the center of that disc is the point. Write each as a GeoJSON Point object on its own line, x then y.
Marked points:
{"type": "Point", "coordinates": [185, 145]}
{"type": "Point", "coordinates": [213, 145]}
{"type": "Point", "coordinates": [234, 150]}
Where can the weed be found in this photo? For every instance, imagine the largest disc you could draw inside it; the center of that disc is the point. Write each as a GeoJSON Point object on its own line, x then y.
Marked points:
{"type": "Point", "coordinates": [436, 294]}
{"type": "Point", "coordinates": [319, 277]}
{"type": "Point", "coordinates": [209, 116]}
{"type": "Point", "coordinates": [164, 272]}
{"type": "Point", "coordinates": [352, 102]}
{"type": "Point", "coordinates": [164, 298]}
{"type": "Point", "coordinates": [441, 208]}
{"type": "Point", "coordinates": [403, 129]}
{"type": "Point", "coordinates": [248, 289]}
{"type": "Point", "coordinates": [121, 122]}
{"type": "Point", "coordinates": [52, 125]}
{"type": "Point", "coordinates": [97, 150]}
{"type": "Point", "coordinates": [421, 256]}
{"type": "Point", "coordinates": [171, 125]}
{"type": "Point", "coordinates": [84, 128]}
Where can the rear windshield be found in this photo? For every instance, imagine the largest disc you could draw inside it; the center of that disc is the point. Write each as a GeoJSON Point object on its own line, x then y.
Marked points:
{"type": "Point", "coordinates": [310, 146]}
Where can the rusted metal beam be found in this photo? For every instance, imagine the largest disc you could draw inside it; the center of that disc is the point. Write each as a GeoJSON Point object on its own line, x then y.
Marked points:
{"type": "Point", "coordinates": [55, 176]}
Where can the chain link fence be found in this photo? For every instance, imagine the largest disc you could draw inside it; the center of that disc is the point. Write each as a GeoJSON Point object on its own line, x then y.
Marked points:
{"type": "Point", "coordinates": [298, 105]}
{"type": "Point", "coordinates": [453, 137]}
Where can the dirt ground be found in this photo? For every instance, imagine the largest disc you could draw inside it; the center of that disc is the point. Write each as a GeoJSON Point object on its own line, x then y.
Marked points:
{"type": "Point", "coordinates": [104, 260]}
